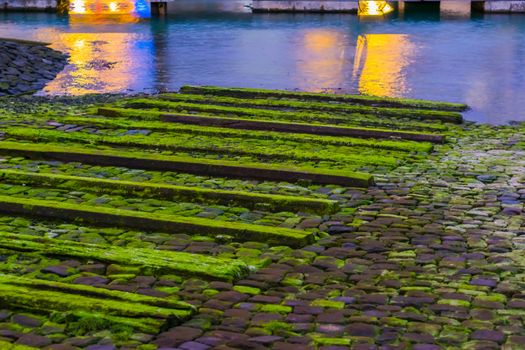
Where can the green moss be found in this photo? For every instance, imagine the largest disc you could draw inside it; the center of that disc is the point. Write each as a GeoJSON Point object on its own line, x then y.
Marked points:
{"type": "Point", "coordinates": [153, 190]}
{"type": "Point", "coordinates": [358, 99]}
{"type": "Point", "coordinates": [331, 304]}
{"type": "Point", "coordinates": [189, 164]}
{"type": "Point", "coordinates": [454, 302]}
{"type": "Point", "coordinates": [99, 307]}
{"type": "Point", "coordinates": [259, 115]}
{"type": "Point", "coordinates": [9, 346]}
{"type": "Point", "coordinates": [325, 341]}
{"type": "Point", "coordinates": [155, 221]}
{"type": "Point", "coordinates": [412, 112]}
{"type": "Point", "coordinates": [277, 327]}
{"type": "Point", "coordinates": [247, 290]}
{"type": "Point", "coordinates": [394, 321]}
{"type": "Point", "coordinates": [276, 308]}
{"type": "Point", "coordinates": [157, 260]}
{"type": "Point", "coordinates": [258, 150]}
{"type": "Point", "coordinates": [181, 129]}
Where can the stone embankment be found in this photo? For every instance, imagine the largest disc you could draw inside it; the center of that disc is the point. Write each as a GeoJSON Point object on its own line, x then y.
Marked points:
{"type": "Point", "coordinates": [27, 66]}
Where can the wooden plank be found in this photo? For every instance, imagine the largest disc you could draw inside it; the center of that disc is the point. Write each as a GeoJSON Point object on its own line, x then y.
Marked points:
{"type": "Point", "coordinates": [154, 221]}
{"type": "Point", "coordinates": [246, 124]}
{"type": "Point", "coordinates": [186, 165]}
{"type": "Point", "coordinates": [357, 99]}
{"type": "Point", "coordinates": [170, 192]}
{"type": "Point", "coordinates": [158, 261]}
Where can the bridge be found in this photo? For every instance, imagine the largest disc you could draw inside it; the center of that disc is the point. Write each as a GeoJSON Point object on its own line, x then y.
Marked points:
{"type": "Point", "coordinates": [362, 7]}
{"type": "Point", "coordinates": [383, 7]}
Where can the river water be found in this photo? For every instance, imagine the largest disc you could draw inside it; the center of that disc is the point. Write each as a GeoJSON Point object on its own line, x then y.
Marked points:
{"type": "Point", "coordinates": [478, 60]}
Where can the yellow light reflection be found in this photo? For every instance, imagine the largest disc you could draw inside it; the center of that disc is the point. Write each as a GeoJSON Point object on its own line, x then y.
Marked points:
{"type": "Point", "coordinates": [374, 8]}
{"type": "Point", "coordinates": [100, 7]}
{"type": "Point", "coordinates": [380, 64]}
{"type": "Point", "coordinates": [78, 6]}
{"type": "Point", "coordinates": [322, 60]}
{"type": "Point", "coordinates": [96, 63]}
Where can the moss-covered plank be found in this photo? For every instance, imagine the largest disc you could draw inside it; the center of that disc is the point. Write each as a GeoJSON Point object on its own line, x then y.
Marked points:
{"type": "Point", "coordinates": [120, 123]}
{"type": "Point", "coordinates": [209, 145]}
{"type": "Point", "coordinates": [275, 126]}
{"type": "Point", "coordinates": [154, 318]}
{"type": "Point", "coordinates": [308, 96]}
{"type": "Point", "coordinates": [389, 112]}
{"type": "Point", "coordinates": [141, 312]}
{"type": "Point", "coordinates": [358, 120]}
{"type": "Point", "coordinates": [95, 292]}
{"type": "Point", "coordinates": [150, 260]}
{"type": "Point", "coordinates": [199, 166]}
{"type": "Point", "coordinates": [4, 345]}
{"type": "Point", "coordinates": [154, 221]}
{"type": "Point", "coordinates": [191, 194]}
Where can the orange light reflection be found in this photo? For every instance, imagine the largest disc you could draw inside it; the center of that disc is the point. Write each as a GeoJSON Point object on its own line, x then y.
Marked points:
{"type": "Point", "coordinates": [96, 63]}
{"type": "Point", "coordinates": [323, 60]}
{"type": "Point", "coordinates": [88, 7]}
{"type": "Point", "coordinates": [380, 64]}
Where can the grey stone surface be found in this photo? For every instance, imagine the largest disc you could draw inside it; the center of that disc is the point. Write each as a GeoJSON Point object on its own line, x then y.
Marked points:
{"type": "Point", "coordinates": [27, 67]}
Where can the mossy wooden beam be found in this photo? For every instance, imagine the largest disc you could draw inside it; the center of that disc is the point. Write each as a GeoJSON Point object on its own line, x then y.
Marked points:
{"type": "Point", "coordinates": [150, 260]}
{"type": "Point", "coordinates": [276, 126]}
{"type": "Point", "coordinates": [354, 119]}
{"type": "Point", "coordinates": [95, 292]}
{"type": "Point", "coordinates": [21, 297]}
{"type": "Point", "coordinates": [121, 122]}
{"type": "Point", "coordinates": [170, 192]}
{"type": "Point", "coordinates": [381, 112]}
{"type": "Point", "coordinates": [259, 171]}
{"type": "Point", "coordinates": [4, 345]}
{"type": "Point", "coordinates": [261, 150]}
{"type": "Point", "coordinates": [308, 96]}
{"type": "Point", "coordinates": [127, 123]}
{"type": "Point", "coordinates": [46, 296]}
{"type": "Point", "coordinates": [154, 221]}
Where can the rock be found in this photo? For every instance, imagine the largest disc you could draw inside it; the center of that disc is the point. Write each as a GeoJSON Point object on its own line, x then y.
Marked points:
{"type": "Point", "coordinates": [487, 178]}
{"type": "Point", "coordinates": [362, 330]}
{"type": "Point", "coordinates": [26, 321]}
{"type": "Point", "coordinates": [265, 339]}
{"type": "Point", "coordinates": [485, 334]}
{"type": "Point", "coordinates": [59, 270]}
{"type": "Point", "coordinates": [34, 340]}
{"type": "Point", "coordinates": [91, 280]}
{"type": "Point", "coordinates": [178, 335]}
{"type": "Point", "coordinates": [25, 67]}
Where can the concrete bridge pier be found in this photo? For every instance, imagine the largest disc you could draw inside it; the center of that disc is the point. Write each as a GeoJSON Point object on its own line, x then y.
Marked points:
{"type": "Point", "coordinates": [159, 8]}
{"type": "Point", "coordinates": [466, 7]}
{"type": "Point", "coordinates": [445, 7]}
{"type": "Point", "coordinates": [500, 6]}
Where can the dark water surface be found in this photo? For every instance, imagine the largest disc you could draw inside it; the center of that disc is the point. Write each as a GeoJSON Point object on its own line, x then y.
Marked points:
{"type": "Point", "coordinates": [476, 60]}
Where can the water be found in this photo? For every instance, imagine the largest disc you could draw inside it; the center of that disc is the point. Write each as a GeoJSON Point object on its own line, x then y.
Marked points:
{"type": "Point", "coordinates": [479, 61]}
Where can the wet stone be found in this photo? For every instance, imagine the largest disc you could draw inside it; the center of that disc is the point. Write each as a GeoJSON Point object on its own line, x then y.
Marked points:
{"type": "Point", "coordinates": [26, 321]}
{"type": "Point", "coordinates": [91, 280]}
{"type": "Point", "coordinates": [490, 335]}
{"type": "Point", "coordinates": [59, 270]}
{"type": "Point", "coordinates": [34, 340]}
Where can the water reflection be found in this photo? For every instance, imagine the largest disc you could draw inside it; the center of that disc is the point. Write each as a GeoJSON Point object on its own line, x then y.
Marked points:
{"type": "Point", "coordinates": [102, 62]}
{"type": "Point", "coordinates": [323, 60]}
{"type": "Point", "coordinates": [137, 8]}
{"type": "Point", "coordinates": [380, 64]}
{"type": "Point", "coordinates": [478, 61]}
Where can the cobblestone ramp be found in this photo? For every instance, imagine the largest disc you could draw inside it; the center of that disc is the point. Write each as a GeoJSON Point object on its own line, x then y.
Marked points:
{"type": "Point", "coordinates": [132, 230]}
{"type": "Point", "coordinates": [436, 264]}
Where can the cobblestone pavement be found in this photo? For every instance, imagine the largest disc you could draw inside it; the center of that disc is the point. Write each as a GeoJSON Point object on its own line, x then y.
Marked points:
{"type": "Point", "coordinates": [436, 263]}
